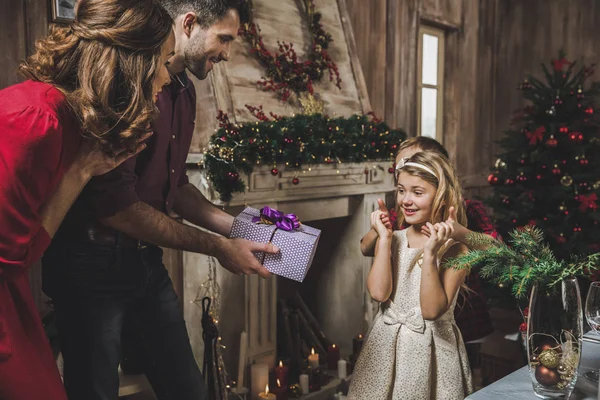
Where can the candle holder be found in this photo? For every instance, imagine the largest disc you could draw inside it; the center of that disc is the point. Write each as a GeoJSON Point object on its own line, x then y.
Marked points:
{"type": "Point", "coordinates": [240, 393]}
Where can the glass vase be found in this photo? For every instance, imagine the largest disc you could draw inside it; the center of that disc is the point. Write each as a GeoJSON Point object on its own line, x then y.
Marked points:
{"type": "Point", "coordinates": [554, 337]}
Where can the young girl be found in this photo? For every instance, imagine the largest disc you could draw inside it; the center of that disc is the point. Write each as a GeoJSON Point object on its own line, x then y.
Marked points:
{"type": "Point", "coordinates": [414, 349]}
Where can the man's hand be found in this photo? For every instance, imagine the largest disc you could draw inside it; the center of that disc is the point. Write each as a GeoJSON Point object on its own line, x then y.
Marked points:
{"type": "Point", "coordinates": [237, 256]}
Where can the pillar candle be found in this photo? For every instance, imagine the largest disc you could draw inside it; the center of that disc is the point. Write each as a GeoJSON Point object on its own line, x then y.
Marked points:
{"type": "Point", "coordinates": [341, 365]}
{"type": "Point", "coordinates": [357, 343]}
{"type": "Point", "coordinates": [281, 373]}
{"type": "Point", "coordinates": [333, 355]}
{"type": "Point", "coordinates": [304, 384]}
{"type": "Point", "coordinates": [280, 391]}
{"type": "Point", "coordinates": [313, 359]}
{"type": "Point", "coordinates": [259, 375]}
{"type": "Point", "coordinates": [266, 395]}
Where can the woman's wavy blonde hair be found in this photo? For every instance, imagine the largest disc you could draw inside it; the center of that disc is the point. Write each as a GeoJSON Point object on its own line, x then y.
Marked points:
{"type": "Point", "coordinates": [448, 189]}
{"type": "Point", "coordinates": [106, 63]}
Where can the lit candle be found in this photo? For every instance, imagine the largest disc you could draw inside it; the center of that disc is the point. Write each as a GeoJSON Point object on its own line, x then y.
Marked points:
{"type": "Point", "coordinates": [280, 391]}
{"type": "Point", "coordinates": [313, 359]}
{"type": "Point", "coordinates": [266, 395]}
{"type": "Point", "coordinates": [259, 375]}
{"type": "Point", "coordinates": [357, 343]}
{"type": "Point", "coordinates": [304, 384]}
{"type": "Point", "coordinates": [342, 374]}
{"type": "Point", "coordinates": [281, 373]}
{"type": "Point", "coordinates": [333, 355]}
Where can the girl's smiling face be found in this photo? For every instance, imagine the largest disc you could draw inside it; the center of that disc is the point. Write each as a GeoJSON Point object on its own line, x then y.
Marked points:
{"type": "Point", "coordinates": [415, 198]}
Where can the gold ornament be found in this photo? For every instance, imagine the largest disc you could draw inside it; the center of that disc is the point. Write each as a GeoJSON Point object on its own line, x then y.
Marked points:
{"type": "Point", "coordinates": [596, 185]}
{"type": "Point", "coordinates": [549, 358]}
{"type": "Point", "coordinates": [500, 164]}
{"type": "Point", "coordinates": [566, 181]}
{"type": "Point", "coordinates": [310, 104]}
{"type": "Point", "coordinates": [562, 369]}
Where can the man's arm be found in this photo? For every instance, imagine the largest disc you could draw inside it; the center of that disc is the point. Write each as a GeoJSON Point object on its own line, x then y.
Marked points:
{"type": "Point", "coordinates": [191, 204]}
{"type": "Point", "coordinates": [144, 222]}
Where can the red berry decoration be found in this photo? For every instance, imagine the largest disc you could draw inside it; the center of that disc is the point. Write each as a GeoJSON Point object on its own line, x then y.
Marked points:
{"type": "Point", "coordinates": [233, 176]}
{"type": "Point", "coordinates": [274, 171]}
{"type": "Point", "coordinates": [493, 179]}
{"type": "Point", "coordinates": [589, 110]}
{"type": "Point", "coordinates": [523, 327]}
{"type": "Point", "coordinates": [366, 171]}
{"type": "Point", "coordinates": [391, 170]}
{"type": "Point", "coordinates": [556, 170]}
{"type": "Point", "coordinates": [526, 312]}
{"type": "Point", "coordinates": [295, 181]}
{"type": "Point", "coordinates": [583, 161]}
{"type": "Point", "coordinates": [509, 182]}
{"type": "Point", "coordinates": [564, 129]}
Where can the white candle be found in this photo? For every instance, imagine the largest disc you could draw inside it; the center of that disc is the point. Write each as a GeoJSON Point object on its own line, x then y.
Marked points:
{"type": "Point", "coordinates": [259, 375]}
{"type": "Point", "coordinates": [242, 361]}
{"type": "Point", "coordinates": [304, 384]}
{"type": "Point", "coordinates": [266, 395]}
{"type": "Point", "coordinates": [342, 369]}
{"type": "Point", "coordinates": [313, 359]}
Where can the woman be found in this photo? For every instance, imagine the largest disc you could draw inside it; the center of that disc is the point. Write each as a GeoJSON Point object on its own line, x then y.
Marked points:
{"type": "Point", "coordinates": [86, 108]}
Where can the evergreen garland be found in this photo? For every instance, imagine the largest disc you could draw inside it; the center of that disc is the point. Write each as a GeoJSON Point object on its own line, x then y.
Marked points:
{"type": "Point", "coordinates": [528, 260]}
{"type": "Point", "coordinates": [297, 141]}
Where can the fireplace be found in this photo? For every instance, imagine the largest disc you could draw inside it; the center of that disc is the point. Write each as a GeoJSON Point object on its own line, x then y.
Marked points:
{"type": "Point", "coordinates": [338, 199]}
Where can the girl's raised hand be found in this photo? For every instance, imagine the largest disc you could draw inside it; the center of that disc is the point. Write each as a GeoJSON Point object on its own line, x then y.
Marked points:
{"type": "Point", "coordinates": [438, 235]}
{"type": "Point", "coordinates": [383, 229]}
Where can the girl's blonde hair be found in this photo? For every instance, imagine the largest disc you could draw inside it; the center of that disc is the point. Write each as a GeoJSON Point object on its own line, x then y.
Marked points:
{"type": "Point", "coordinates": [448, 189]}
{"type": "Point", "coordinates": [106, 63]}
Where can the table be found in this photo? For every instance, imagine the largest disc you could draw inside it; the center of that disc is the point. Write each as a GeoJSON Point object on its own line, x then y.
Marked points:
{"type": "Point", "coordinates": [518, 384]}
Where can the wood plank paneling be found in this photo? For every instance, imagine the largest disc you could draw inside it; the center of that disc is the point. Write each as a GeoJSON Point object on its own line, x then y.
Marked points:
{"type": "Point", "coordinates": [368, 24]}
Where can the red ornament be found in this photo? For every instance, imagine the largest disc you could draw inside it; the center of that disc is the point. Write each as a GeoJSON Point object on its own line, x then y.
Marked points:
{"type": "Point", "coordinates": [576, 137]}
{"type": "Point", "coordinates": [295, 181]}
{"type": "Point", "coordinates": [274, 171]}
{"type": "Point", "coordinates": [564, 129]}
{"type": "Point", "coordinates": [526, 312]}
{"type": "Point", "coordinates": [492, 179]}
{"type": "Point", "coordinates": [391, 170]}
{"type": "Point", "coordinates": [366, 171]}
{"type": "Point", "coordinates": [589, 110]}
{"type": "Point", "coordinates": [552, 142]}
{"type": "Point", "coordinates": [539, 177]}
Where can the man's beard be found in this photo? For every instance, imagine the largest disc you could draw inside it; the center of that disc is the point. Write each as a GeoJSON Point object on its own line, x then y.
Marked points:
{"type": "Point", "coordinates": [196, 60]}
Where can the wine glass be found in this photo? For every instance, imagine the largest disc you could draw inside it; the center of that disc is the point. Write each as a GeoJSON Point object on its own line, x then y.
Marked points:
{"type": "Point", "coordinates": [592, 315]}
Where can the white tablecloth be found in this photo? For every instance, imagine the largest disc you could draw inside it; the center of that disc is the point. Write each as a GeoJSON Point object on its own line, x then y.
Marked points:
{"type": "Point", "coordinates": [518, 384]}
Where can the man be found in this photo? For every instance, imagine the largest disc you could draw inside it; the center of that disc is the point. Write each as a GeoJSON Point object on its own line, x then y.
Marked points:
{"type": "Point", "coordinates": [104, 270]}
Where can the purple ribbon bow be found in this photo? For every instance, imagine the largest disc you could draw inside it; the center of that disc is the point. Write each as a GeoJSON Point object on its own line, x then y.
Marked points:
{"type": "Point", "coordinates": [268, 215]}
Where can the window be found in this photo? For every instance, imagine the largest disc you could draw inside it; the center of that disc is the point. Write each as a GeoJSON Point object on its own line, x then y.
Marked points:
{"type": "Point", "coordinates": [430, 75]}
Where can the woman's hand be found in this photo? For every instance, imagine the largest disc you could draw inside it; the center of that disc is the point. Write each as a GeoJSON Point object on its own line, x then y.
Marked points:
{"type": "Point", "coordinates": [93, 161]}
{"type": "Point", "coordinates": [439, 234]}
{"type": "Point", "coordinates": [377, 223]}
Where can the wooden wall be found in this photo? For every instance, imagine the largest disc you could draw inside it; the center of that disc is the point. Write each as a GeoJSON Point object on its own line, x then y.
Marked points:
{"type": "Point", "coordinates": [490, 46]}
{"type": "Point", "coordinates": [22, 22]}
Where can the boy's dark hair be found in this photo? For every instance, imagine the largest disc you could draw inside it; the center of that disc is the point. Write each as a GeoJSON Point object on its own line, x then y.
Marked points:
{"type": "Point", "coordinates": [209, 11]}
{"type": "Point", "coordinates": [424, 143]}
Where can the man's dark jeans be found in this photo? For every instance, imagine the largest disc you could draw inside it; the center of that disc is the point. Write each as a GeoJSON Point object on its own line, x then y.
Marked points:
{"type": "Point", "coordinates": [107, 296]}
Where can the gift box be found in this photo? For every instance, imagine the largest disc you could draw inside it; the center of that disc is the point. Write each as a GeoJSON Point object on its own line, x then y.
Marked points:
{"type": "Point", "coordinates": [297, 242]}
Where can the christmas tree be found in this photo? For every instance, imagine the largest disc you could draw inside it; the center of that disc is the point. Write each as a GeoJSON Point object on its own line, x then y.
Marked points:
{"type": "Point", "coordinates": [548, 174]}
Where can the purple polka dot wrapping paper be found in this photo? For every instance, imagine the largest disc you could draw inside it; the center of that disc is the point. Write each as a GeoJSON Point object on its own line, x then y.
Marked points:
{"type": "Point", "coordinates": [296, 248]}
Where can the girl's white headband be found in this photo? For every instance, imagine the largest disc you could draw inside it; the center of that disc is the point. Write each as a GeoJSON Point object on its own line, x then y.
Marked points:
{"type": "Point", "coordinates": [403, 162]}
